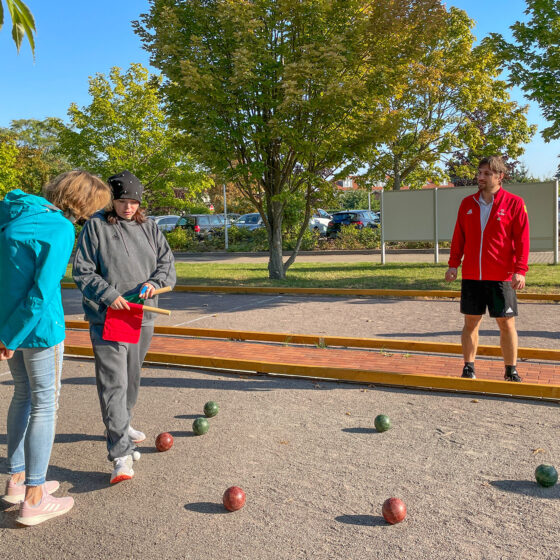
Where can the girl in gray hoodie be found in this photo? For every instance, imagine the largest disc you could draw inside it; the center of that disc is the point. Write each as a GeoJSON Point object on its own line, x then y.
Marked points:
{"type": "Point", "coordinates": [121, 253]}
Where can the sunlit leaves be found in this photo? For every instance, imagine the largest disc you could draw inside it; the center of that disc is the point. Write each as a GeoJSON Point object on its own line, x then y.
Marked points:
{"type": "Point", "coordinates": [23, 23]}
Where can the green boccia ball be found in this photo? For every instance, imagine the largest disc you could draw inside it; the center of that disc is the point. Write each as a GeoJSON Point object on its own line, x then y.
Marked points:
{"type": "Point", "coordinates": [200, 426]}
{"type": "Point", "coordinates": [382, 423]}
{"type": "Point", "coordinates": [211, 409]}
{"type": "Point", "coordinates": [546, 475]}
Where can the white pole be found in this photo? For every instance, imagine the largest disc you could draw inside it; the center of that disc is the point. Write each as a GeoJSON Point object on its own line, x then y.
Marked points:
{"type": "Point", "coordinates": [382, 228]}
{"type": "Point", "coordinates": [369, 200]}
{"type": "Point", "coordinates": [436, 228]}
{"type": "Point", "coordinates": [555, 227]}
{"type": "Point", "coordinates": [225, 219]}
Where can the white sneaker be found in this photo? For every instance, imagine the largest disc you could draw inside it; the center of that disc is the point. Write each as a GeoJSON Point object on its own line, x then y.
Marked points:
{"type": "Point", "coordinates": [122, 469]}
{"type": "Point", "coordinates": [135, 435]}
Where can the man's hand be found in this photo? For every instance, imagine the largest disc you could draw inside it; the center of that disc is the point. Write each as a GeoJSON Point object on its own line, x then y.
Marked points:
{"type": "Point", "coordinates": [5, 354]}
{"type": "Point", "coordinates": [120, 303]}
{"type": "Point", "coordinates": [451, 274]}
{"type": "Point", "coordinates": [518, 281]}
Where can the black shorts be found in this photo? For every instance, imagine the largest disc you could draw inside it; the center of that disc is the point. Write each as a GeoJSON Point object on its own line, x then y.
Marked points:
{"type": "Point", "coordinates": [499, 297]}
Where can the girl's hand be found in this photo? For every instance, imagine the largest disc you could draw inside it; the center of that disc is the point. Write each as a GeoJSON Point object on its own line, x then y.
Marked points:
{"type": "Point", "coordinates": [5, 354]}
{"type": "Point", "coordinates": [120, 303]}
{"type": "Point", "coordinates": [147, 291]}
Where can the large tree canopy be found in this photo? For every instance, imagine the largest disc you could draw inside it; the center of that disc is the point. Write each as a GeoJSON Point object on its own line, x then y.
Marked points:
{"type": "Point", "coordinates": [453, 103]}
{"type": "Point", "coordinates": [533, 59]}
{"type": "Point", "coordinates": [274, 95]}
{"type": "Point", "coordinates": [125, 127]}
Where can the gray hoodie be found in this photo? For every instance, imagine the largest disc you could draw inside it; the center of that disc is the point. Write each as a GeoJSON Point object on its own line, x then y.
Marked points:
{"type": "Point", "coordinates": [116, 259]}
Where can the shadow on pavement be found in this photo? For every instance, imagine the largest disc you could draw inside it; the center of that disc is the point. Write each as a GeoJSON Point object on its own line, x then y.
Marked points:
{"type": "Point", "coordinates": [366, 520]}
{"type": "Point", "coordinates": [74, 438]}
{"type": "Point", "coordinates": [527, 488]}
{"type": "Point", "coordinates": [81, 481]}
{"type": "Point", "coordinates": [360, 430]}
{"type": "Point", "coordinates": [206, 507]}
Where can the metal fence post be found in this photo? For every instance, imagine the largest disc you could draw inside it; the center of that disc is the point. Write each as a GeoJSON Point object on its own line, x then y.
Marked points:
{"type": "Point", "coordinates": [225, 220]}
{"type": "Point", "coordinates": [436, 227]}
{"type": "Point", "coordinates": [382, 215]}
{"type": "Point", "coordinates": [555, 228]}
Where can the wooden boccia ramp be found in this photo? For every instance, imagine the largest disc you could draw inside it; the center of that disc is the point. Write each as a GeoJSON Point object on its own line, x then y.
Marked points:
{"type": "Point", "coordinates": [402, 363]}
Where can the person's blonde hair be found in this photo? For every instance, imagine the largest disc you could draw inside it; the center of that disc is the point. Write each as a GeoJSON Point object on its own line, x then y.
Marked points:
{"type": "Point", "coordinates": [78, 192]}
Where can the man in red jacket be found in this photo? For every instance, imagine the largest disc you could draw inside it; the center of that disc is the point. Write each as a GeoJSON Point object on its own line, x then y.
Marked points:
{"type": "Point", "coordinates": [491, 238]}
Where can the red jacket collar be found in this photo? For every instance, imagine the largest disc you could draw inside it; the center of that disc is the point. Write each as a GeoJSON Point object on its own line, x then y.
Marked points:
{"type": "Point", "coordinates": [498, 195]}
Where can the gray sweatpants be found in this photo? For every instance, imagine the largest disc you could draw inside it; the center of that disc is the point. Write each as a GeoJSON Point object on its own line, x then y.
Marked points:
{"type": "Point", "coordinates": [117, 372]}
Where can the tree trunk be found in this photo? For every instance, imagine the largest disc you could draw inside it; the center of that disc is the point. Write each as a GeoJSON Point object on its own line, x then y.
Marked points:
{"type": "Point", "coordinates": [275, 264]}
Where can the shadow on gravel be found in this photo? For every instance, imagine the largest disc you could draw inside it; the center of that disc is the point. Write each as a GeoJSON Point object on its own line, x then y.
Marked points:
{"type": "Point", "coordinates": [8, 517]}
{"type": "Point", "coordinates": [187, 416]}
{"type": "Point", "coordinates": [527, 488]}
{"type": "Point", "coordinates": [207, 507]}
{"type": "Point", "coordinates": [365, 520]}
{"type": "Point", "coordinates": [74, 438]}
{"type": "Point", "coordinates": [360, 430]}
{"type": "Point", "coordinates": [81, 481]}
{"type": "Point", "coordinates": [264, 383]}
{"type": "Point", "coordinates": [457, 333]}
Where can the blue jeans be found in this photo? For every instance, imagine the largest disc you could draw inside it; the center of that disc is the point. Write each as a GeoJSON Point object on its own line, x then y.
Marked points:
{"type": "Point", "coordinates": [32, 412]}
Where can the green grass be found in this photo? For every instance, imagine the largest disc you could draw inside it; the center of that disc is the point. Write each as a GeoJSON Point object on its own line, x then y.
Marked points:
{"type": "Point", "coordinates": [542, 278]}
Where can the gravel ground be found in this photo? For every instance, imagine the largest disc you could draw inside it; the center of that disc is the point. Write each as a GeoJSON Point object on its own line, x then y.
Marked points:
{"type": "Point", "coordinates": [314, 469]}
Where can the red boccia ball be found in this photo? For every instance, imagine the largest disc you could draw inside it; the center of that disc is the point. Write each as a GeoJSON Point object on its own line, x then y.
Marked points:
{"type": "Point", "coordinates": [234, 498]}
{"type": "Point", "coordinates": [164, 441]}
{"type": "Point", "coordinates": [394, 510]}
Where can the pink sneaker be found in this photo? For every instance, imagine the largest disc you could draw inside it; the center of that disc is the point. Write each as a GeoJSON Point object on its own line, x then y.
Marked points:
{"type": "Point", "coordinates": [15, 493]}
{"type": "Point", "coordinates": [48, 507]}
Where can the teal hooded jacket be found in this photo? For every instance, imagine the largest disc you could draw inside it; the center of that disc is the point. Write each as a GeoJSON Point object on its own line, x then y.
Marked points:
{"type": "Point", "coordinates": [36, 241]}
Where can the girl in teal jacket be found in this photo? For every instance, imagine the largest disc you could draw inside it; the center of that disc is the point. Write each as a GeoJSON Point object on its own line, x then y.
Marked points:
{"type": "Point", "coordinates": [36, 239]}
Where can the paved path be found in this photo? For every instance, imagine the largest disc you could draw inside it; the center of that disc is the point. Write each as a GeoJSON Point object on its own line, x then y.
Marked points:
{"type": "Point", "coordinates": [374, 360]}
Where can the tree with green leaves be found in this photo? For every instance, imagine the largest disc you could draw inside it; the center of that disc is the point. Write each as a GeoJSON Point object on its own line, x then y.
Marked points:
{"type": "Point", "coordinates": [274, 95]}
{"type": "Point", "coordinates": [453, 102]}
{"type": "Point", "coordinates": [38, 160]}
{"type": "Point", "coordinates": [23, 22]}
{"type": "Point", "coordinates": [533, 59]}
{"type": "Point", "coordinates": [125, 127]}
{"type": "Point", "coordinates": [9, 173]}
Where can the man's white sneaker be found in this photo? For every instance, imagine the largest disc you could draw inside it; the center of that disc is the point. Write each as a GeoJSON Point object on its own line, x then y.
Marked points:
{"type": "Point", "coordinates": [135, 435]}
{"type": "Point", "coordinates": [122, 469]}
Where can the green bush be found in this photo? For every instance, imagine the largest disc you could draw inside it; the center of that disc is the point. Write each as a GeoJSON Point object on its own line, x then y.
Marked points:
{"type": "Point", "coordinates": [309, 241]}
{"type": "Point", "coordinates": [182, 240]}
{"type": "Point", "coordinates": [347, 238]}
{"type": "Point", "coordinates": [369, 238]}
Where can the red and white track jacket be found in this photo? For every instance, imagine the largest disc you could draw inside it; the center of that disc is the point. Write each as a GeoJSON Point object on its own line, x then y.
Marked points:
{"type": "Point", "coordinates": [499, 251]}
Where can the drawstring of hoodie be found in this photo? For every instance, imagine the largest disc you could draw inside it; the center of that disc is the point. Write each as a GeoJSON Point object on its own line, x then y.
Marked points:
{"type": "Point", "coordinates": [119, 229]}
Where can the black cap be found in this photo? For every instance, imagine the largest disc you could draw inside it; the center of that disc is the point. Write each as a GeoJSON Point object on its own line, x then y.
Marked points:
{"type": "Point", "coordinates": [126, 185]}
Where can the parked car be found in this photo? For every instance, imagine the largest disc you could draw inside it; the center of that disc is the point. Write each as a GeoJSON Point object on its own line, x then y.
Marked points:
{"type": "Point", "coordinates": [358, 218]}
{"type": "Point", "coordinates": [249, 221]}
{"type": "Point", "coordinates": [165, 223]}
{"type": "Point", "coordinates": [320, 221]}
{"type": "Point", "coordinates": [203, 225]}
{"type": "Point", "coordinates": [231, 217]}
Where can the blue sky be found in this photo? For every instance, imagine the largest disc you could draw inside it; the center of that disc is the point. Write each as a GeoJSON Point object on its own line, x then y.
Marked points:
{"type": "Point", "coordinates": [76, 40]}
